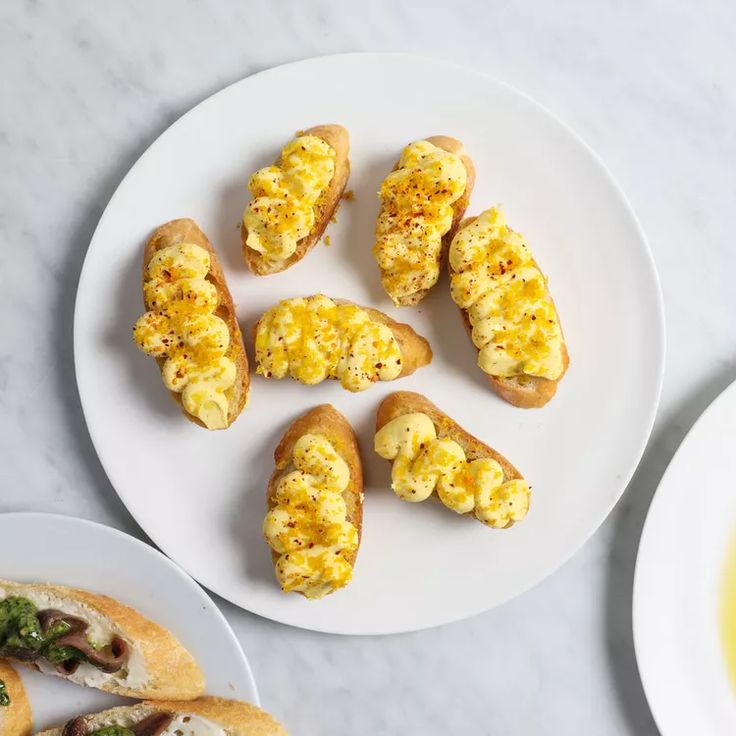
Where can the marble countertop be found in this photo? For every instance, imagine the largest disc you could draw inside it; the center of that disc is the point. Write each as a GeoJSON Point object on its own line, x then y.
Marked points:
{"type": "Point", "coordinates": [86, 86]}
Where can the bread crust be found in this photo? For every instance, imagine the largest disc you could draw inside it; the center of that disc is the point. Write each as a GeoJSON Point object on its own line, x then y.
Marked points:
{"type": "Point", "coordinates": [16, 719]}
{"type": "Point", "coordinates": [323, 419]}
{"type": "Point", "coordinates": [451, 145]}
{"type": "Point", "coordinates": [525, 392]}
{"type": "Point", "coordinates": [337, 138]}
{"type": "Point", "coordinates": [186, 230]}
{"type": "Point", "coordinates": [408, 402]}
{"type": "Point", "coordinates": [236, 716]}
{"type": "Point", "coordinates": [173, 672]}
{"type": "Point", "coordinates": [416, 351]}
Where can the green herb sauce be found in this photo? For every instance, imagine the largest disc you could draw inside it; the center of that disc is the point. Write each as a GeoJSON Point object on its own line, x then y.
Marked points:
{"type": "Point", "coordinates": [112, 731]}
{"type": "Point", "coordinates": [19, 626]}
{"type": "Point", "coordinates": [57, 655]}
{"type": "Point", "coordinates": [4, 697]}
{"type": "Point", "coordinates": [21, 629]}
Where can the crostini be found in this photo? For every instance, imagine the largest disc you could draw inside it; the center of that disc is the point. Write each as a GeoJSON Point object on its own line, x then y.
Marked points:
{"type": "Point", "coordinates": [206, 716]}
{"type": "Point", "coordinates": [423, 200]}
{"type": "Point", "coordinates": [314, 338]}
{"type": "Point", "coordinates": [15, 710]}
{"type": "Point", "coordinates": [431, 453]}
{"type": "Point", "coordinates": [315, 504]}
{"type": "Point", "coordinates": [295, 199]}
{"type": "Point", "coordinates": [190, 327]}
{"type": "Point", "coordinates": [94, 640]}
{"type": "Point", "coordinates": [507, 310]}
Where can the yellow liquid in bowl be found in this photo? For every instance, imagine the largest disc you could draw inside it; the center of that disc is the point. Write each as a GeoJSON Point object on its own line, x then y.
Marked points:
{"type": "Point", "coordinates": [728, 612]}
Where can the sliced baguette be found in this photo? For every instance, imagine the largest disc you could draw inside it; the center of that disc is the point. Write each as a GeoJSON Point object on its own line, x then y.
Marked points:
{"type": "Point", "coordinates": [15, 719]}
{"type": "Point", "coordinates": [187, 231]}
{"type": "Point", "coordinates": [339, 139]}
{"type": "Point", "coordinates": [526, 392]}
{"type": "Point", "coordinates": [236, 717]}
{"type": "Point", "coordinates": [170, 670]}
{"type": "Point", "coordinates": [409, 402]}
{"type": "Point", "coordinates": [415, 349]}
{"type": "Point", "coordinates": [329, 422]}
{"type": "Point", "coordinates": [452, 145]}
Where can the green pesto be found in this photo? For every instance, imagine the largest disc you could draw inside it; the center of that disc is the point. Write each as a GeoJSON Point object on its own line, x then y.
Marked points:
{"type": "Point", "coordinates": [20, 629]}
{"type": "Point", "coordinates": [4, 697]}
{"type": "Point", "coordinates": [112, 731]}
{"type": "Point", "coordinates": [58, 629]}
{"type": "Point", "coordinates": [19, 626]}
{"type": "Point", "coordinates": [57, 655]}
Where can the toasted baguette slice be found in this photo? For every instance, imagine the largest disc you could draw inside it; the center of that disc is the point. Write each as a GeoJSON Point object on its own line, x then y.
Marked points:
{"type": "Point", "coordinates": [327, 421]}
{"type": "Point", "coordinates": [339, 139]}
{"type": "Point", "coordinates": [187, 231]}
{"type": "Point", "coordinates": [235, 717]}
{"type": "Point", "coordinates": [416, 351]}
{"type": "Point", "coordinates": [526, 392]}
{"type": "Point", "coordinates": [157, 666]}
{"type": "Point", "coordinates": [16, 718]}
{"type": "Point", "coordinates": [409, 402]}
{"type": "Point", "coordinates": [452, 145]}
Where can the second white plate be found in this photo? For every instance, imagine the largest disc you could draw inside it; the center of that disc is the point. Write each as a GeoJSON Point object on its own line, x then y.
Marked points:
{"type": "Point", "coordinates": [60, 549]}
{"type": "Point", "coordinates": [201, 496]}
{"type": "Point", "coordinates": [679, 582]}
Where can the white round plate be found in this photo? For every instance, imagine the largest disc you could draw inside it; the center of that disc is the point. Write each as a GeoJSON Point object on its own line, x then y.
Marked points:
{"type": "Point", "coordinates": [61, 549]}
{"type": "Point", "coordinates": [201, 495]}
{"type": "Point", "coordinates": [679, 574]}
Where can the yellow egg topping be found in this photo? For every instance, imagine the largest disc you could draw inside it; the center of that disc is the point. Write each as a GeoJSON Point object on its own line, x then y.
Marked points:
{"type": "Point", "coordinates": [308, 526]}
{"type": "Point", "coordinates": [282, 211]}
{"type": "Point", "coordinates": [422, 463]}
{"type": "Point", "coordinates": [515, 325]}
{"type": "Point", "coordinates": [180, 326]}
{"type": "Point", "coordinates": [313, 338]}
{"type": "Point", "coordinates": [416, 211]}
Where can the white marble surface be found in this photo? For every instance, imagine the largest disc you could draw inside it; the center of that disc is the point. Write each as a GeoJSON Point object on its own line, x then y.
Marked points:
{"type": "Point", "coordinates": [85, 86]}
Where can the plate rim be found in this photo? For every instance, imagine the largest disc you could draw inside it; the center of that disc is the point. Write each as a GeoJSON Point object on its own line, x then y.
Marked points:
{"type": "Point", "coordinates": [660, 342]}
{"type": "Point", "coordinates": [170, 564]}
{"type": "Point", "coordinates": [639, 566]}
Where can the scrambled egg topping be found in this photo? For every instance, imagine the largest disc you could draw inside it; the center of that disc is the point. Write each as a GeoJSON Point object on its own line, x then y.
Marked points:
{"type": "Point", "coordinates": [515, 325]}
{"type": "Point", "coordinates": [422, 463]}
{"type": "Point", "coordinates": [313, 338]}
{"type": "Point", "coordinates": [308, 526]}
{"type": "Point", "coordinates": [180, 326]}
{"type": "Point", "coordinates": [284, 197]}
{"type": "Point", "coordinates": [416, 212]}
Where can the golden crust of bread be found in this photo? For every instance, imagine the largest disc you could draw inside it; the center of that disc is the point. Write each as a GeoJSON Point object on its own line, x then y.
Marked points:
{"type": "Point", "coordinates": [452, 145]}
{"type": "Point", "coordinates": [186, 230]}
{"type": "Point", "coordinates": [408, 402]}
{"type": "Point", "coordinates": [329, 422]}
{"type": "Point", "coordinates": [16, 719]}
{"type": "Point", "coordinates": [337, 138]}
{"type": "Point", "coordinates": [416, 351]}
{"type": "Point", "coordinates": [237, 717]}
{"type": "Point", "coordinates": [526, 392]}
{"type": "Point", "coordinates": [173, 672]}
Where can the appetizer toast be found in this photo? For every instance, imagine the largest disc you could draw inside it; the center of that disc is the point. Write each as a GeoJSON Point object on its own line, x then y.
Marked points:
{"type": "Point", "coordinates": [94, 640]}
{"type": "Point", "coordinates": [206, 716]}
{"type": "Point", "coordinates": [191, 327]}
{"type": "Point", "coordinates": [431, 453]}
{"type": "Point", "coordinates": [423, 200]}
{"type": "Point", "coordinates": [507, 310]}
{"type": "Point", "coordinates": [15, 710]}
{"type": "Point", "coordinates": [295, 199]}
{"type": "Point", "coordinates": [314, 338]}
{"type": "Point", "coordinates": [315, 502]}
